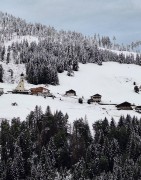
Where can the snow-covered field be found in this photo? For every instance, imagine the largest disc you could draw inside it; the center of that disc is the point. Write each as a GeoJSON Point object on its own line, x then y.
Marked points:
{"type": "Point", "coordinates": [112, 80]}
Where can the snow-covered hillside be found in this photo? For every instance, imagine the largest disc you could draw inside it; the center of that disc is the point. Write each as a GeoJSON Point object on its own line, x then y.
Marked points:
{"type": "Point", "coordinates": [17, 68]}
{"type": "Point", "coordinates": [112, 80]}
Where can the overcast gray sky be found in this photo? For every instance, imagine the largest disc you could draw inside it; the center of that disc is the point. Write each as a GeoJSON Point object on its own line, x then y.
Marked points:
{"type": "Point", "coordinates": [120, 18]}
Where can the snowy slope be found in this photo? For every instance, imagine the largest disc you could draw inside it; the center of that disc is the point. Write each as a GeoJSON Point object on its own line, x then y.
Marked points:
{"type": "Point", "coordinates": [126, 53]}
{"type": "Point", "coordinates": [17, 68]}
{"type": "Point", "coordinates": [112, 80]}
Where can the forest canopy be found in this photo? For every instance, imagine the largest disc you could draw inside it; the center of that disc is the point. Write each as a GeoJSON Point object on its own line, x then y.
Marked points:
{"type": "Point", "coordinates": [45, 146]}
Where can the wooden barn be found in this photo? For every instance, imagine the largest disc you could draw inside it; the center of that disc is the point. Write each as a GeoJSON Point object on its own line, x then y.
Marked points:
{"type": "Point", "coordinates": [96, 98]}
{"type": "Point", "coordinates": [71, 92]}
{"type": "Point", "coordinates": [124, 106]}
{"type": "Point", "coordinates": [40, 91]}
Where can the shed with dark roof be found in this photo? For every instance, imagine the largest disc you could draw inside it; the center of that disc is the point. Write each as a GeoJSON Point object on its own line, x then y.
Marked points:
{"type": "Point", "coordinates": [124, 106]}
{"type": "Point", "coordinates": [71, 92]}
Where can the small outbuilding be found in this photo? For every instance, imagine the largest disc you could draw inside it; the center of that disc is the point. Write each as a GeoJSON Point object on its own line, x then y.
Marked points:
{"type": "Point", "coordinates": [14, 104]}
{"type": "Point", "coordinates": [96, 98]}
{"type": "Point", "coordinates": [138, 109]}
{"type": "Point", "coordinates": [90, 101]}
{"type": "Point", "coordinates": [71, 92]}
{"type": "Point", "coordinates": [124, 106]}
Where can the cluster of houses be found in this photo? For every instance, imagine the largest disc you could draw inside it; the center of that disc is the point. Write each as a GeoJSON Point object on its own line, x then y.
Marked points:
{"type": "Point", "coordinates": [97, 98]}
{"type": "Point", "coordinates": [94, 98]}
{"type": "Point", "coordinates": [42, 91]}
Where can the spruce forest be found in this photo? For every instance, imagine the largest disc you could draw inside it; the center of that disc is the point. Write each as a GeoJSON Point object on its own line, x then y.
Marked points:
{"type": "Point", "coordinates": [45, 147]}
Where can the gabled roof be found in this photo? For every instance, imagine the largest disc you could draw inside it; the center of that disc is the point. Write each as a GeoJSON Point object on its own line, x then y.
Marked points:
{"type": "Point", "coordinates": [70, 91]}
{"type": "Point", "coordinates": [96, 95]}
{"type": "Point", "coordinates": [38, 88]}
{"type": "Point", "coordinates": [124, 104]}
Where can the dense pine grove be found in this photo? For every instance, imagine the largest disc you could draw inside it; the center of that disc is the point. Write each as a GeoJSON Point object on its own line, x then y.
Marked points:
{"type": "Point", "coordinates": [45, 147]}
{"type": "Point", "coordinates": [55, 52]}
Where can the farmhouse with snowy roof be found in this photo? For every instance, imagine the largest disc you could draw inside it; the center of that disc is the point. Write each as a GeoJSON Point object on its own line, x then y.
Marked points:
{"type": "Point", "coordinates": [96, 98]}
{"type": "Point", "coordinates": [71, 92]}
{"type": "Point", "coordinates": [40, 91]}
{"type": "Point", "coordinates": [124, 106]}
